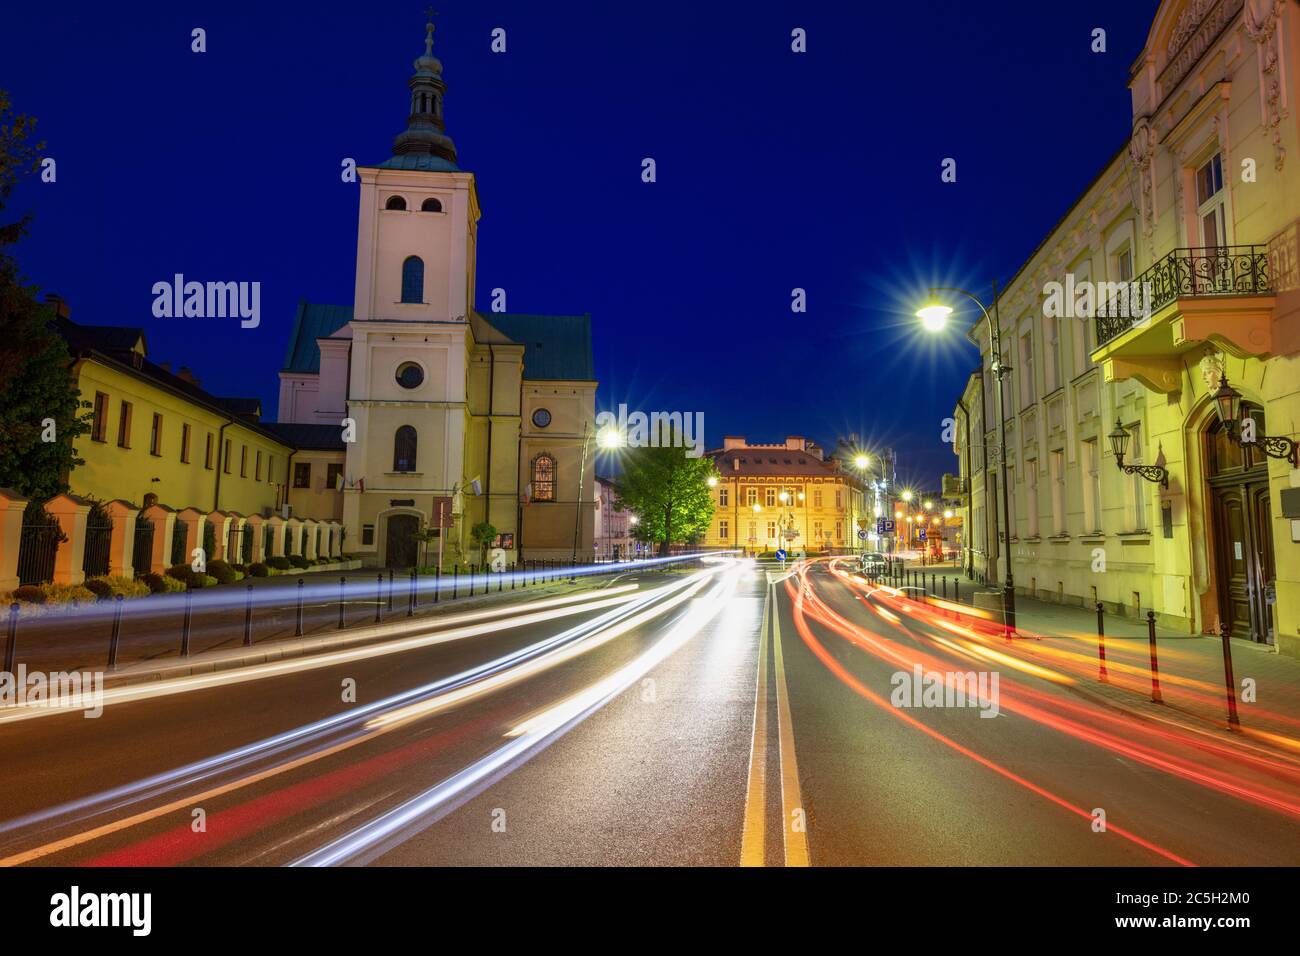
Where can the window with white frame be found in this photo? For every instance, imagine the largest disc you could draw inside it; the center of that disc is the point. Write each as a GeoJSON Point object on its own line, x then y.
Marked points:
{"type": "Point", "coordinates": [751, 496]}
{"type": "Point", "coordinates": [771, 531]}
{"type": "Point", "coordinates": [1027, 394]}
{"type": "Point", "coordinates": [1057, 462]}
{"type": "Point", "coordinates": [1091, 485]}
{"type": "Point", "coordinates": [1137, 485]}
{"type": "Point", "coordinates": [723, 496]}
{"type": "Point", "coordinates": [1052, 362]}
{"type": "Point", "coordinates": [1008, 350]}
{"type": "Point", "coordinates": [769, 497]}
{"type": "Point", "coordinates": [1031, 497]}
{"type": "Point", "coordinates": [723, 529]}
{"type": "Point", "coordinates": [1012, 529]}
{"type": "Point", "coordinates": [1211, 203]}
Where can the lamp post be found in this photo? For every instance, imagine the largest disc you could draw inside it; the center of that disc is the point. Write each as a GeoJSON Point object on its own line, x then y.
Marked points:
{"type": "Point", "coordinates": [609, 438]}
{"type": "Point", "coordinates": [934, 318]}
{"type": "Point", "coordinates": [1227, 403]}
{"type": "Point", "coordinates": [1119, 440]}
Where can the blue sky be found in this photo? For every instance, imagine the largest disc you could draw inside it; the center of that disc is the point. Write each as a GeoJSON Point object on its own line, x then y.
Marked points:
{"type": "Point", "coordinates": [775, 171]}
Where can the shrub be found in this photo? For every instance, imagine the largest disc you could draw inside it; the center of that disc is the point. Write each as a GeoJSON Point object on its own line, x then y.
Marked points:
{"type": "Point", "coordinates": [298, 561]}
{"type": "Point", "coordinates": [100, 588]}
{"type": "Point", "coordinates": [258, 570]}
{"type": "Point", "coordinates": [126, 587]}
{"type": "Point", "coordinates": [30, 594]}
{"type": "Point", "coordinates": [242, 568]}
{"type": "Point", "coordinates": [279, 562]}
{"type": "Point", "coordinates": [67, 593]}
{"type": "Point", "coordinates": [184, 574]}
{"type": "Point", "coordinates": [156, 583]}
{"type": "Point", "coordinates": [222, 571]}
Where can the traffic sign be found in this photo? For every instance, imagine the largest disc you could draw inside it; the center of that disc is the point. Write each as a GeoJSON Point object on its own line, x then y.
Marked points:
{"type": "Point", "coordinates": [780, 554]}
{"type": "Point", "coordinates": [862, 535]}
{"type": "Point", "coordinates": [921, 534]}
{"type": "Point", "coordinates": [884, 526]}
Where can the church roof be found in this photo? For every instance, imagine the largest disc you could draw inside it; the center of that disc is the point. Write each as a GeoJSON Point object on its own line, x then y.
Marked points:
{"type": "Point", "coordinates": [308, 436]}
{"type": "Point", "coordinates": [313, 321]}
{"type": "Point", "coordinates": [423, 162]}
{"type": "Point", "coordinates": [556, 347]}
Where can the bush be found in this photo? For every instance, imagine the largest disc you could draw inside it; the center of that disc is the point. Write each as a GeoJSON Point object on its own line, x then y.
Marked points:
{"type": "Point", "coordinates": [258, 570]}
{"type": "Point", "coordinates": [241, 568]}
{"type": "Point", "coordinates": [298, 561]}
{"type": "Point", "coordinates": [279, 562]}
{"type": "Point", "coordinates": [126, 587]}
{"type": "Point", "coordinates": [100, 588]}
{"type": "Point", "coordinates": [222, 571]}
{"type": "Point", "coordinates": [67, 593]}
{"type": "Point", "coordinates": [184, 574]}
{"type": "Point", "coordinates": [30, 594]}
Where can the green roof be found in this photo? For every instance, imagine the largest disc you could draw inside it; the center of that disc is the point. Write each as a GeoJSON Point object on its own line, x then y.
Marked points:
{"type": "Point", "coordinates": [556, 347]}
{"type": "Point", "coordinates": [313, 322]}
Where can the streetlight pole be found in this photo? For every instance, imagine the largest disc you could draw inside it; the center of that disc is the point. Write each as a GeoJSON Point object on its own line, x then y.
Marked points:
{"type": "Point", "coordinates": [999, 371]}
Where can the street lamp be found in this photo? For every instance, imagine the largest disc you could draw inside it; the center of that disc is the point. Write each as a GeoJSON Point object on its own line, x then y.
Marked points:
{"type": "Point", "coordinates": [607, 438]}
{"type": "Point", "coordinates": [1119, 440]}
{"type": "Point", "coordinates": [1227, 402]}
{"type": "Point", "coordinates": [934, 318]}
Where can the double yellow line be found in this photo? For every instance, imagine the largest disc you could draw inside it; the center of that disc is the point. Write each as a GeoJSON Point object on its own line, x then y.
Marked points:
{"type": "Point", "coordinates": [753, 844]}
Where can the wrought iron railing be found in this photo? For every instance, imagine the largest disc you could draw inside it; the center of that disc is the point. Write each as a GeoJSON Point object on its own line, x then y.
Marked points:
{"type": "Point", "coordinates": [1205, 271]}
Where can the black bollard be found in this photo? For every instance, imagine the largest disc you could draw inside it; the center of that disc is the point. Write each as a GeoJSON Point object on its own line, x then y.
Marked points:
{"type": "Point", "coordinates": [297, 629]}
{"type": "Point", "coordinates": [248, 616]}
{"type": "Point", "coordinates": [117, 631]}
{"type": "Point", "coordinates": [1155, 667]}
{"type": "Point", "coordinates": [185, 627]}
{"type": "Point", "coordinates": [342, 589]}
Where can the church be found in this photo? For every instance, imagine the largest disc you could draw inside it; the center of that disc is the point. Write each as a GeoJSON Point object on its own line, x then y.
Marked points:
{"type": "Point", "coordinates": [415, 409]}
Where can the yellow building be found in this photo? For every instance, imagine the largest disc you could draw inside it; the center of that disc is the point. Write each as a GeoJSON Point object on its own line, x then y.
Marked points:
{"type": "Point", "coordinates": [1171, 280]}
{"type": "Point", "coordinates": [783, 495]}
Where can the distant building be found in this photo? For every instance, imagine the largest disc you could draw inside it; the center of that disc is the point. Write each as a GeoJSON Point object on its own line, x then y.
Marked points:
{"type": "Point", "coordinates": [613, 538]}
{"type": "Point", "coordinates": [784, 495]}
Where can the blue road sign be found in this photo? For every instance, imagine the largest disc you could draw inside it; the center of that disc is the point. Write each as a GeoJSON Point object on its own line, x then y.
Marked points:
{"type": "Point", "coordinates": [780, 554]}
{"type": "Point", "coordinates": [921, 534]}
{"type": "Point", "coordinates": [862, 534]}
{"type": "Point", "coordinates": [884, 526]}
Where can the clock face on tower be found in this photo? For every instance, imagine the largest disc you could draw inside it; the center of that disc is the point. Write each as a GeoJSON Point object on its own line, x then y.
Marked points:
{"type": "Point", "coordinates": [541, 418]}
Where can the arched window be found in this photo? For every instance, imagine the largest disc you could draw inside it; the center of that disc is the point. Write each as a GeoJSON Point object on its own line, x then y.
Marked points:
{"type": "Point", "coordinates": [543, 478]}
{"type": "Point", "coordinates": [404, 449]}
{"type": "Point", "coordinates": [413, 279]}
{"type": "Point", "coordinates": [431, 205]}
{"type": "Point", "coordinates": [395, 202]}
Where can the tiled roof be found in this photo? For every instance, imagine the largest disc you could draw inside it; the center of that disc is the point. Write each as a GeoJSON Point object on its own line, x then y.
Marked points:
{"type": "Point", "coordinates": [773, 462]}
{"type": "Point", "coordinates": [424, 162]}
{"type": "Point", "coordinates": [556, 347]}
{"type": "Point", "coordinates": [309, 436]}
{"type": "Point", "coordinates": [312, 322]}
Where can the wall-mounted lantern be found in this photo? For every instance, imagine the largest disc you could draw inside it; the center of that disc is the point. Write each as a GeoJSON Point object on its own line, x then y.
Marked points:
{"type": "Point", "coordinates": [1119, 440]}
{"type": "Point", "coordinates": [1227, 402]}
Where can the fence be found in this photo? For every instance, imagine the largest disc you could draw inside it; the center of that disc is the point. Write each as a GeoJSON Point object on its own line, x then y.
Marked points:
{"type": "Point", "coordinates": [327, 604]}
{"type": "Point", "coordinates": [179, 533]}
{"type": "Point", "coordinates": [38, 546]}
{"type": "Point", "coordinates": [142, 549]}
{"type": "Point", "coordinates": [99, 540]}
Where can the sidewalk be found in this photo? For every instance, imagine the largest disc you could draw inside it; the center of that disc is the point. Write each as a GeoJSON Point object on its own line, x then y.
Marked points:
{"type": "Point", "coordinates": [1190, 666]}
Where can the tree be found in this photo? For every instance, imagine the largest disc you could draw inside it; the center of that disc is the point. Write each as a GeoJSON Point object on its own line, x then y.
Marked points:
{"type": "Point", "coordinates": [483, 534]}
{"type": "Point", "coordinates": [39, 416]}
{"type": "Point", "coordinates": [668, 491]}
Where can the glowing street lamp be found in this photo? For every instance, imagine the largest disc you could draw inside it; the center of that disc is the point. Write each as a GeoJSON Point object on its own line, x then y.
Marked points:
{"type": "Point", "coordinates": [713, 481]}
{"type": "Point", "coordinates": [907, 496]}
{"type": "Point", "coordinates": [934, 318]}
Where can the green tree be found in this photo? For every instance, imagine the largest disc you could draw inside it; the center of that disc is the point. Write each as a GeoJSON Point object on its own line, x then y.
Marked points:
{"type": "Point", "coordinates": [34, 362]}
{"type": "Point", "coordinates": [668, 491]}
{"type": "Point", "coordinates": [483, 534]}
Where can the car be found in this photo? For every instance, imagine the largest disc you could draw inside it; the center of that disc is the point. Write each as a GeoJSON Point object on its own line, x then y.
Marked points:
{"type": "Point", "coordinates": [872, 563]}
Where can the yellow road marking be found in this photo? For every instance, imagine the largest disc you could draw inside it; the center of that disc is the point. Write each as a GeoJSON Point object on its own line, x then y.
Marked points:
{"type": "Point", "coordinates": [752, 842]}
{"type": "Point", "coordinates": [796, 840]}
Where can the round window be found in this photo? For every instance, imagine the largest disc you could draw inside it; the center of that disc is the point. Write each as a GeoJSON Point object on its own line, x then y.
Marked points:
{"type": "Point", "coordinates": [410, 375]}
{"type": "Point", "coordinates": [541, 418]}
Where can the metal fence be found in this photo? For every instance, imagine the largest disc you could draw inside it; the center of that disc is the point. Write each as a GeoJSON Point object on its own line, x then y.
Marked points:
{"type": "Point", "coordinates": [142, 553]}
{"type": "Point", "coordinates": [179, 534]}
{"type": "Point", "coordinates": [99, 540]}
{"type": "Point", "coordinates": [38, 546]}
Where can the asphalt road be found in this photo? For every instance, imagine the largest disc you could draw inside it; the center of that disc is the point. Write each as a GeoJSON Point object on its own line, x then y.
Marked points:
{"type": "Point", "coordinates": [636, 727]}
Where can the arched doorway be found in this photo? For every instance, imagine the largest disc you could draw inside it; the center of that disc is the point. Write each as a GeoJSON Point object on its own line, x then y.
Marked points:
{"type": "Point", "coordinates": [1240, 519]}
{"type": "Point", "coordinates": [400, 549]}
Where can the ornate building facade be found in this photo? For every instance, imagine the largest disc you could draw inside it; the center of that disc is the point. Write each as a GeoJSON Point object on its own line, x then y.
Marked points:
{"type": "Point", "coordinates": [1136, 478]}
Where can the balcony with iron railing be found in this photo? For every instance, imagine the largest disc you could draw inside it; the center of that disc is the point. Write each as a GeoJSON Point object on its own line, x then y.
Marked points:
{"type": "Point", "coordinates": [1222, 295]}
